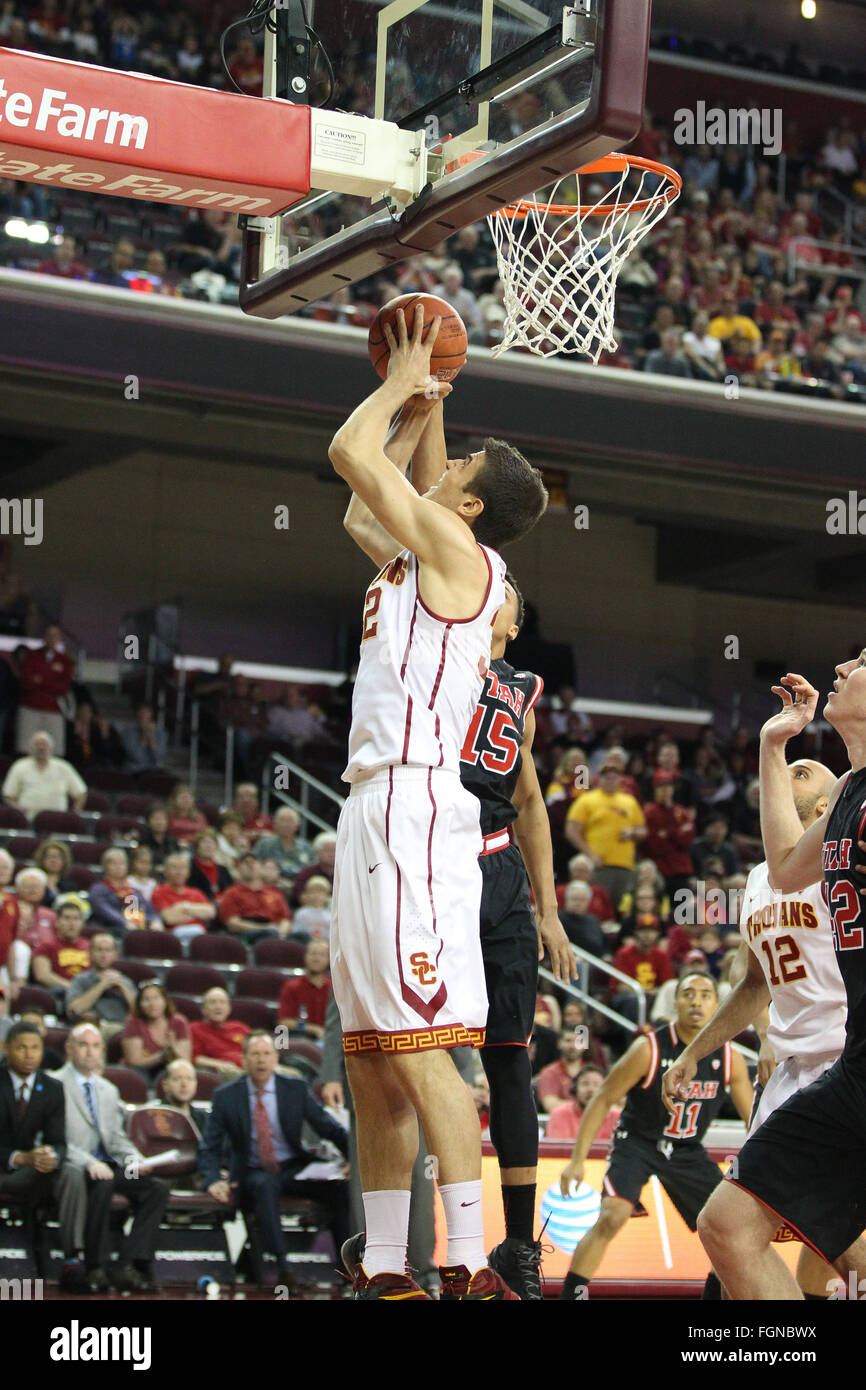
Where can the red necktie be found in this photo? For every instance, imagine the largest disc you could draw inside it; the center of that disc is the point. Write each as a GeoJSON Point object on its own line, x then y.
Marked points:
{"type": "Point", "coordinates": [265, 1135]}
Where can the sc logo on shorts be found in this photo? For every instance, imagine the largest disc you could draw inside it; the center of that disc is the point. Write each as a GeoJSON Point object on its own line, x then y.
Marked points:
{"type": "Point", "coordinates": [424, 972]}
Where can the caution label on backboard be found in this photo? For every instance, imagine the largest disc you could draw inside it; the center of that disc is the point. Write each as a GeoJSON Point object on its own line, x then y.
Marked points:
{"type": "Point", "coordinates": [332, 142]}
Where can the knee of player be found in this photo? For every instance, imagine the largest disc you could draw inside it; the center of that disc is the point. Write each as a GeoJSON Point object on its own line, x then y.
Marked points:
{"type": "Point", "coordinates": [719, 1223]}
{"type": "Point", "coordinates": [611, 1219]}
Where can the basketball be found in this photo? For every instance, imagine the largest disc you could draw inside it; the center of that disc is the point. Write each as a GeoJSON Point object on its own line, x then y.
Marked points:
{"type": "Point", "coordinates": [449, 350]}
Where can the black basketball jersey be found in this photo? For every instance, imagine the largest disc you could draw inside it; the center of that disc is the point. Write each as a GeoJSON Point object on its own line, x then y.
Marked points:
{"type": "Point", "coordinates": [842, 884]}
{"type": "Point", "coordinates": [644, 1114]}
{"type": "Point", "coordinates": [490, 760]}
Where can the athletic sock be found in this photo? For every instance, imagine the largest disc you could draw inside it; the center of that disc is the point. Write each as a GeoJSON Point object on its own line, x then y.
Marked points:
{"type": "Point", "coordinates": [386, 1214]}
{"type": "Point", "coordinates": [573, 1287]}
{"type": "Point", "coordinates": [712, 1287]}
{"type": "Point", "coordinates": [464, 1218]}
{"type": "Point", "coordinates": [519, 1205]}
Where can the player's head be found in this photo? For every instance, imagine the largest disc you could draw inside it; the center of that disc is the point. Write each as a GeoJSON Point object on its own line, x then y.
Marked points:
{"type": "Point", "coordinates": [812, 784]}
{"type": "Point", "coordinates": [497, 492]}
{"type": "Point", "coordinates": [509, 619]}
{"type": "Point", "coordinates": [846, 703]}
{"type": "Point", "coordinates": [696, 999]}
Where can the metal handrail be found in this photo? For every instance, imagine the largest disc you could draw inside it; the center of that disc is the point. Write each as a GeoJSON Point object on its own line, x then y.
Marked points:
{"type": "Point", "coordinates": [308, 783]}
{"type": "Point", "coordinates": [627, 981]}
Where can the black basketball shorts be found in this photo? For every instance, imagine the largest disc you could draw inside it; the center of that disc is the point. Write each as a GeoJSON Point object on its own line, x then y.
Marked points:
{"type": "Point", "coordinates": [686, 1172]}
{"type": "Point", "coordinates": [509, 946]}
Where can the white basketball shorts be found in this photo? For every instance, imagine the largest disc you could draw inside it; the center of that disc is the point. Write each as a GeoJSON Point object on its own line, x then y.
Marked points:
{"type": "Point", "coordinates": [789, 1077]}
{"type": "Point", "coordinates": [405, 939]}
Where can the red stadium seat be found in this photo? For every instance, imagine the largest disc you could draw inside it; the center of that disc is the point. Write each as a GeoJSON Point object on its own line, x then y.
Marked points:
{"type": "Point", "coordinates": [22, 847]}
{"type": "Point", "coordinates": [133, 804]}
{"type": "Point", "coordinates": [82, 876]}
{"type": "Point", "coordinates": [13, 819]}
{"type": "Point", "coordinates": [62, 823]}
{"type": "Point", "coordinates": [210, 811]}
{"type": "Point", "coordinates": [156, 1128]}
{"type": "Point", "coordinates": [116, 828]}
{"type": "Point", "coordinates": [97, 801]}
{"type": "Point", "coordinates": [89, 851]}
{"type": "Point", "coordinates": [283, 954]}
{"type": "Point", "coordinates": [137, 970]}
{"type": "Point", "coordinates": [152, 945]}
{"type": "Point", "coordinates": [259, 984]}
{"type": "Point", "coordinates": [187, 1005]}
{"type": "Point", "coordinates": [193, 979]}
{"type": "Point", "coordinates": [56, 1038]}
{"type": "Point", "coordinates": [255, 1012]}
{"type": "Point", "coordinates": [132, 1087]}
{"type": "Point", "coordinates": [218, 949]}
{"type": "Point", "coordinates": [32, 997]}
{"type": "Point", "coordinates": [114, 1050]}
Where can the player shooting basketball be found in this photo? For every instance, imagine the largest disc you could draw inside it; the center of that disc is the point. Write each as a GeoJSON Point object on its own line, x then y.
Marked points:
{"type": "Point", "coordinates": [406, 956]}
{"type": "Point", "coordinates": [804, 1166]}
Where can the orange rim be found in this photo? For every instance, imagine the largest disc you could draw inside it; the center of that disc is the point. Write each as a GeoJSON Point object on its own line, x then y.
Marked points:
{"type": "Point", "coordinates": [610, 164]}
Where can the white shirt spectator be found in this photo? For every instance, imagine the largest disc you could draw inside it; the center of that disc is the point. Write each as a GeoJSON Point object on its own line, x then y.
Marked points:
{"type": "Point", "coordinates": [49, 788]}
{"type": "Point", "coordinates": [710, 349]}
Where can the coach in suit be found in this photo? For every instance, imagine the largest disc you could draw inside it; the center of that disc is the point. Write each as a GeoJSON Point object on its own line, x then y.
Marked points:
{"type": "Point", "coordinates": [33, 1144]}
{"type": "Point", "coordinates": [259, 1118]}
{"type": "Point", "coordinates": [97, 1145]}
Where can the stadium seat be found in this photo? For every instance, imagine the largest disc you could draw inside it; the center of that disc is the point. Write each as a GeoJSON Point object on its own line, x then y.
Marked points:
{"type": "Point", "coordinates": [286, 955]}
{"type": "Point", "coordinates": [13, 819]}
{"type": "Point", "coordinates": [152, 945]}
{"type": "Point", "coordinates": [114, 1050]}
{"type": "Point", "coordinates": [155, 1128]}
{"type": "Point", "coordinates": [187, 1005]}
{"type": "Point", "coordinates": [132, 1087]}
{"type": "Point", "coordinates": [133, 804]}
{"type": "Point", "coordinates": [97, 801]}
{"type": "Point", "coordinates": [82, 876]}
{"type": "Point", "coordinates": [137, 970]}
{"type": "Point", "coordinates": [62, 823]}
{"type": "Point", "coordinates": [56, 1038]}
{"type": "Point", "coordinates": [88, 851]}
{"type": "Point", "coordinates": [255, 1012]}
{"type": "Point", "coordinates": [206, 1083]}
{"type": "Point", "coordinates": [160, 784]}
{"type": "Point", "coordinates": [32, 997]}
{"type": "Point", "coordinates": [22, 847]}
{"type": "Point", "coordinates": [218, 949]}
{"type": "Point", "coordinates": [210, 811]}
{"type": "Point", "coordinates": [116, 828]}
{"type": "Point", "coordinates": [259, 984]}
{"type": "Point", "coordinates": [189, 978]}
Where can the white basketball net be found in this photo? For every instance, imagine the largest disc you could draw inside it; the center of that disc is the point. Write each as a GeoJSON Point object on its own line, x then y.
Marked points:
{"type": "Point", "coordinates": [560, 268]}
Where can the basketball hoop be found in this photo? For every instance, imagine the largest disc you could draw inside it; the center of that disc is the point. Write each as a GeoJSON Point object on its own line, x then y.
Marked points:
{"type": "Point", "coordinates": [559, 262]}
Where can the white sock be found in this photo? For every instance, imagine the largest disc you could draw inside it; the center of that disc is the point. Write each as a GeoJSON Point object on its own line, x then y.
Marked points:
{"type": "Point", "coordinates": [464, 1217]}
{"type": "Point", "coordinates": [387, 1223]}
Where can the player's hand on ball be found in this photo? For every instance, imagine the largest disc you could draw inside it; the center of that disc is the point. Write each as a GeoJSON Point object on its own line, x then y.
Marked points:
{"type": "Point", "coordinates": [676, 1080]}
{"type": "Point", "coordinates": [799, 702]}
{"type": "Point", "coordinates": [572, 1173]}
{"type": "Point", "coordinates": [766, 1063]}
{"type": "Point", "coordinates": [409, 362]}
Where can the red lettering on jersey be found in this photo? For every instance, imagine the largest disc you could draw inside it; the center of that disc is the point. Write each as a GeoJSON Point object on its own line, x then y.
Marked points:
{"type": "Point", "coordinates": [397, 571]}
{"type": "Point", "coordinates": [810, 918]}
{"type": "Point", "coordinates": [520, 696]}
{"type": "Point", "coordinates": [505, 740]}
{"type": "Point", "coordinates": [469, 753]}
{"type": "Point", "coordinates": [844, 904]}
{"type": "Point", "coordinates": [844, 854]}
{"type": "Point", "coordinates": [493, 685]}
{"type": "Point", "coordinates": [831, 858]}
{"type": "Point", "coordinates": [794, 913]}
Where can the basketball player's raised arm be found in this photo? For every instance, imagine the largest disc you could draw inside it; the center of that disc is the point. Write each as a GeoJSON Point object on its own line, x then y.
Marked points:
{"type": "Point", "coordinates": [431, 456]}
{"type": "Point", "coordinates": [403, 437]}
{"type": "Point", "coordinates": [532, 828]}
{"type": "Point", "coordinates": [631, 1068]}
{"type": "Point", "coordinates": [433, 533]}
{"type": "Point", "coordinates": [794, 855]}
{"type": "Point", "coordinates": [737, 1013]}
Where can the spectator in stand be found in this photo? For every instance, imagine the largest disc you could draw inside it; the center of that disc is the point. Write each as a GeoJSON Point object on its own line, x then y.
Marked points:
{"type": "Point", "coordinates": [66, 955]}
{"type": "Point", "coordinates": [710, 945]}
{"type": "Point", "coordinates": [714, 844]}
{"type": "Point", "coordinates": [141, 871]}
{"type": "Point", "coordinates": [740, 360]}
{"type": "Point", "coordinates": [565, 1119]}
{"type": "Point", "coordinates": [606, 823]}
{"type": "Point", "coordinates": [185, 911]}
{"type": "Point", "coordinates": [123, 49]}
{"type": "Point", "coordinates": [670, 832]}
{"type": "Point", "coordinates": [324, 849]}
{"type": "Point", "coordinates": [647, 876]}
{"type": "Point", "coordinates": [99, 1147]}
{"type": "Point", "coordinates": [185, 820]}
{"type": "Point", "coordinates": [51, 1059]}
{"type": "Point", "coordinates": [93, 742]}
{"type": "Point", "coordinates": [206, 873]}
{"type": "Point", "coordinates": [582, 928]}
{"type": "Point", "coordinates": [554, 1084]}
{"type": "Point", "coordinates": [114, 903]}
{"type": "Point", "coordinates": [259, 1118]}
{"type": "Point", "coordinates": [570, 780]}
{"type": "Point", "coordinates": [210, 688]}
{"type": "Point", "coordinates": [54, 858]}
{"type": "Point", "coordinates": [217, 1039]}
{"type": "Point", "coordinates": [209, 243]}
{"type": "Point", "coordinates": [180, 1084]}
{"type": "Point", "coordinates": [189, 59]}
{"type": "Point", "coordinates": [232, 841]}
{"type": "Point", "coordinates": [294, 721]}
{"type": "Point", "coordinates": [617, 757]}
{"type": "Point", "coordinates": [849, 347]}
{"type": "Point", "coordinates": [117, 272]}
{"type": "Point", "coordinates": [101, 994]}
{"type": "Point", "coordinates": [157, 837]}
{"type": "Point", "coordinates": [304, 998]}
{"type": "Point", "coordinates": [83, 40]}
{"type": "Point", "coordinates": [154, 1033]}
{"type": "Point", "coordinates": [664, 320]}
{"type": "Point", "coordinates": [837, 317]}
{"type": "Point", "coordinates": [581, 869]}
{"type": "Point", "coordinates": [154, 60]}
{"type": "Point", "coordinates": [819, 364]}
{"type": "Point", "coordinates": [42, 782]}
{"type": "Point", "coordinates": [246, 68]}
{"type": "Point", "coordinates": [574, 1016]}
{"type": "Point", "coordinates": [251, 910]}
{"type": "Point", "coordinates": [291, 851]}
{"type": "Point", "coordinates": [773, 309]}
{"type": "Point", "coordinates": [246, 805]}
{"type": "Point", "coordinates": [45, 676]}
{"type": "Point", "coordinates": [144, 743]}
{"type": "Point", "coordinates": [701, 350]}
{"type": "Point", "coordinates": [730, 321]}
{"type": "Point", "coordinates": [8, 915]}
{"type": "Point", "coordinates": [34, 923]}
{"type": "Point", "coordinates": [776, 359]}
{"type": "Point", "coordinates": [312, 920]}
{"type": "Point", "coordinates": [645, 962]}
{"type": "Point", "coordinates": [456, 294]}
{"type": "Point", "coordinates": [64, 262]}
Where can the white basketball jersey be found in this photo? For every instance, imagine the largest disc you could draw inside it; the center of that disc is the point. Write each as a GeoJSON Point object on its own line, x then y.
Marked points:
{"type": "Point", "coordinates": [792, 937]}
{"type": "Point", "coordinates": [420, 676]}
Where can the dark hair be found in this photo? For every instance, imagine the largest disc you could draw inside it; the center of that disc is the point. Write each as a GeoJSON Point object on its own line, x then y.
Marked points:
{"type": "Point", "coordinates": [151, 984]}
{"type": "Point", "coordinates": [590, 1066]}
{"type": "Point", "coordinates": [513, 494]}
{"type": "Point", "coordinates": [701, 974]}
{"type": "Point", "coordinates": [18, 1028]}
{"type": "Point", "coordinates": [521, 606]}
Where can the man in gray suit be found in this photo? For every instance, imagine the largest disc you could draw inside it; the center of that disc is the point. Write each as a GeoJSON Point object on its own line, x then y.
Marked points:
{"type": "Point", "coordinates": [97, 1143]}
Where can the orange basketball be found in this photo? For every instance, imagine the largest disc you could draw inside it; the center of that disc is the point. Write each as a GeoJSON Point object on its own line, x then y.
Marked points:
{"type": "Point", "coordinates": [449, 350]}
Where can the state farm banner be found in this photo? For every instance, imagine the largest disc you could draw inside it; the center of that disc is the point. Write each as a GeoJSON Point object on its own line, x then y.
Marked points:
{"type": "Point", "coordinates": [134, 136]}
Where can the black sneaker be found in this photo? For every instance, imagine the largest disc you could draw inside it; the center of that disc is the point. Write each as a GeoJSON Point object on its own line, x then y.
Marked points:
{"type": "Point", "coordinates": [73, 1277]}
{"type": "Point", "coordinates": [518, 1263]}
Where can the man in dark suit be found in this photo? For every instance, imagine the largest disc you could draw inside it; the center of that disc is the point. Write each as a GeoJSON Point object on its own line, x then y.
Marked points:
{"type": "Point", "coordinates": [259, 1117]}
{"type": "Point", "coordinates": [33, 1144]}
